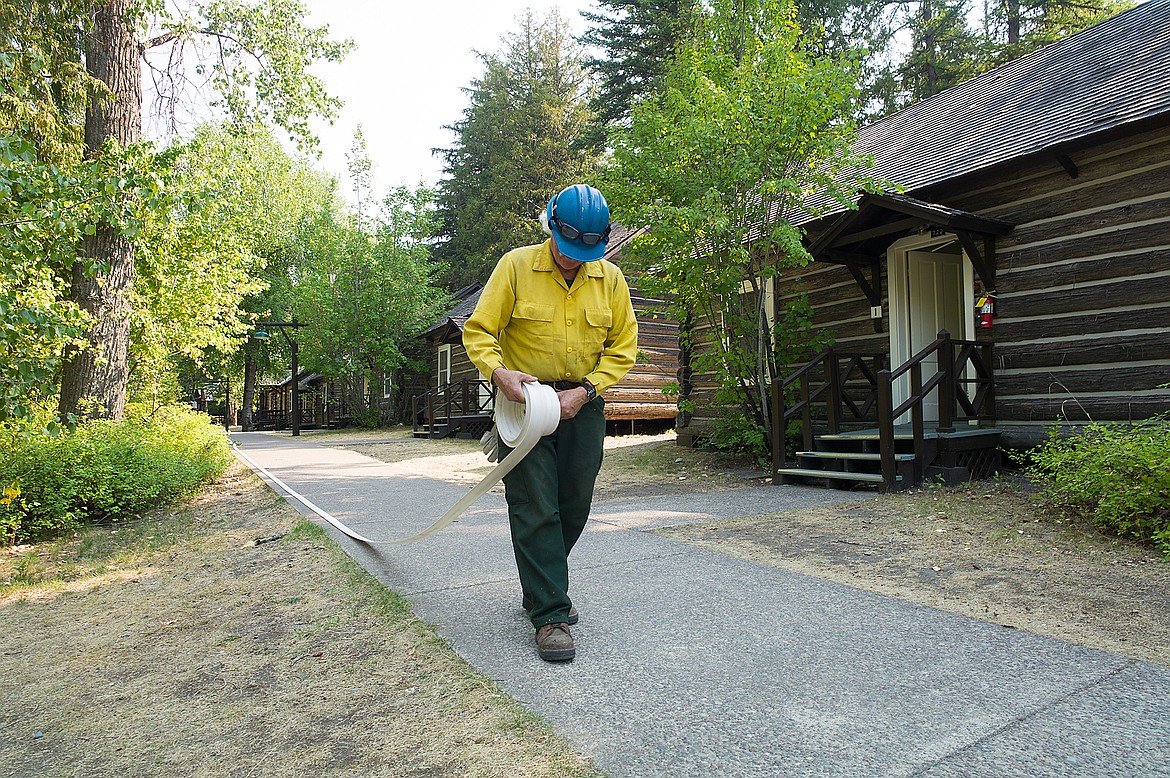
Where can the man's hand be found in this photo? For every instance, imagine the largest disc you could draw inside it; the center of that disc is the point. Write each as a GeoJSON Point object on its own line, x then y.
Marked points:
{"type": "Point", "coordinates": [572, 401]}
{"type": "Point", "coordinates": [508, 382]}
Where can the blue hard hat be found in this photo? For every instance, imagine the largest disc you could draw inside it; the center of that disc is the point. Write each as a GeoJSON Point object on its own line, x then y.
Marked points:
{"type": "Point", "coordinates": [578, 218]}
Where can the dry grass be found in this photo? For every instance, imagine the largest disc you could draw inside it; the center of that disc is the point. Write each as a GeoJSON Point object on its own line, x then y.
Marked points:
{"type": "Point", "coordinates": [213, 655]}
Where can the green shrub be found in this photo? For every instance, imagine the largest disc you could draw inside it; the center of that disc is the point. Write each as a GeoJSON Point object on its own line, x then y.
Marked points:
{"type": "Point", "coordinates": [103, 471]}
{"type": "Point", "coordinates": [740, 436]}
{"type": "Point", "coordinates": [1118, 475]}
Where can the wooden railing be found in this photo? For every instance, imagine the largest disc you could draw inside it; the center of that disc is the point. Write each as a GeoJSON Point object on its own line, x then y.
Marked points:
{"type": "Point", "coordinates": [964, 378]}
{"type": "Point", "coordinates": [843, 382]}
{"type": "Point", "coordinates": [851, 386]}
{"type": "Point", "coordinates": [449, 401]}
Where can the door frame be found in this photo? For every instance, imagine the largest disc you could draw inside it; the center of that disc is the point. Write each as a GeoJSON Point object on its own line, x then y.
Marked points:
{"type": "Point", "coordinates": [898, 285]}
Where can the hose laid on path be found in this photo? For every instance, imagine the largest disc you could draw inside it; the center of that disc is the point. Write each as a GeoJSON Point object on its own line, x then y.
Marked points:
{"type": "Point", "coordinates": [520, 426]}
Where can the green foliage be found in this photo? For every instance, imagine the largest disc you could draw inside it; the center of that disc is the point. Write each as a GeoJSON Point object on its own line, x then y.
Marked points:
{"type": "Point", "coordinates": [105, 471]}
{"type": "Point", "coordinates": [861, 28]}
{"type": "Point", "coordinates": [944, 50]}
{"type": "Point", "coordinates": [738, 434]}
{"type": "Point", "coordinates": [751, 125]}
{"type": "Point", "coordinates": [240, 204]}
{"type": "Point", "coordinates": [1116, 474]}
{"type": "Point", "coordinates": [1015, 27]}
{"type": "Point", "coordinates": [46, 209]}
{"type": "Point", "coordinates": [257, 56]}
{"type": "Point", "coordinates": [514, 148]}
{"type": "Point", "coordinates": [43, 83]}
{"type": "Point", "coordinates": [368, 293]}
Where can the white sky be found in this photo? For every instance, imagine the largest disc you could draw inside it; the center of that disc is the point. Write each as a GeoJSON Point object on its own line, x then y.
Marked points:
{"type": "Point", "coordinates": [403, 80]}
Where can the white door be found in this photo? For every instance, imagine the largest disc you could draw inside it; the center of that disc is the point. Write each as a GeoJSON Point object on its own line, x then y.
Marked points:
{"type": "Point", "coordinates": [935, 289]}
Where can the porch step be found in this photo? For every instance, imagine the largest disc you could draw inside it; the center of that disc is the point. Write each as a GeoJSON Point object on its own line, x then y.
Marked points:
{"type": "Point", "coordinates": [847, 437]}
{"type": "Point", "coordinates": [835, 475]}
{"type": "Point", "coordinates": [851, 455]}
{"type": "Point", "coordinates": [903, 433]}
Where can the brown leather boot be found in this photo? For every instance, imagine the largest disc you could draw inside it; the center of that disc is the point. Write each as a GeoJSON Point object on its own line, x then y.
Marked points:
{"type": "Point", "coordinates": [554, 643]}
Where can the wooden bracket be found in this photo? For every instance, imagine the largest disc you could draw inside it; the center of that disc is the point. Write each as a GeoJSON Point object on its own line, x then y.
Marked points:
{"type": "Point", "coordinates": [983, 262]}
{"type": "Point", "coordinates": [1069, 166]}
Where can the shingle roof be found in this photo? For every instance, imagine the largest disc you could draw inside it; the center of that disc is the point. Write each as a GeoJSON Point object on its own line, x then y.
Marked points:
{"type": "Point", "coordinates": [1108, 75]}
{"type": "Point", "coordinates": [468, 296]}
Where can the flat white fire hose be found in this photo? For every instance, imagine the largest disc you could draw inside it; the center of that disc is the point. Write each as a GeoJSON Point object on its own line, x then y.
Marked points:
{"type": "Point", "coordinates": [520, 426]}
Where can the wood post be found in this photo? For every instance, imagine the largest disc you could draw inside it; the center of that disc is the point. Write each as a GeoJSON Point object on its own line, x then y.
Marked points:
{"type": "Point", "coordinates": [806, 414]}
{"type": "Point", "coordinates": [833, 375]}
{"type": "Point", "coordinates": [946, 387]}
{"type": "Point", "coordinates": [885, 401]}
{"type": "Point", "coordinates": [778, 427]}
{"type": "Point", "coordinates": [916, 419]}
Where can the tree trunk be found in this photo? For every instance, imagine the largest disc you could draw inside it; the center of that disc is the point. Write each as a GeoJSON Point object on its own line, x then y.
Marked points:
{"type": "Point", "coordinates": [94, 379]}
{"type": "Point", "coordinates": [1013, 22]}
{"type": "Point", "coordinates": [930, 46]}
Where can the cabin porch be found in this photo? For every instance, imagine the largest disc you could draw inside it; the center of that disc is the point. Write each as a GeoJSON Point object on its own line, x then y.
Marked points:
{"type": "Point", "coordinates": [858, 423]}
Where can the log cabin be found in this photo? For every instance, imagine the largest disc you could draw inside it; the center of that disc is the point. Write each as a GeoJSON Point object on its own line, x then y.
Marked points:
{"type": "Point", "coordinates": [1019, 280]}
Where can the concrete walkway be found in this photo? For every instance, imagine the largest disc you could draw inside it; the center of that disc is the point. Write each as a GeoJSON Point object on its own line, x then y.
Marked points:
{"type": "Point", "coordinates": [691, 663]}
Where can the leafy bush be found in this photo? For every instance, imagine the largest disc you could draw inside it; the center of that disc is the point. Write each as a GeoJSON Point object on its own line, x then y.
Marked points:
{"type": "Point", "coordinates": [740, 436]}
{"type": "Point", "coordinates": [104, 471]}
{"type": "Point", "coordinates": [1118, 475]}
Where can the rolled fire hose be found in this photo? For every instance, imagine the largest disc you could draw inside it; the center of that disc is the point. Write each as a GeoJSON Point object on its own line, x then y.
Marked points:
{"type": "Point", "coordinates": [520, 426]}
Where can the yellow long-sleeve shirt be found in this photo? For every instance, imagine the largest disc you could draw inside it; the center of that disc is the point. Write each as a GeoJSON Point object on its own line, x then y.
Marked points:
{"type": "Point", "coordinates": [528, 318]}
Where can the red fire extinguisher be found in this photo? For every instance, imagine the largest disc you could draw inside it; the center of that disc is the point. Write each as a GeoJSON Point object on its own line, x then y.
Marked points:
{"type": "Point", "coordinates": [986, 311]}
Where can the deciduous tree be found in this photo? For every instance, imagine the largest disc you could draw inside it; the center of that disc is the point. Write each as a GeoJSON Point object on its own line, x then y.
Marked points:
{"type": "Point", "coordinates": [368, 294]}
{"type": "Point", "coordinates": [750, 126]}
{"type": "Point", "coordinates": [260, 70]}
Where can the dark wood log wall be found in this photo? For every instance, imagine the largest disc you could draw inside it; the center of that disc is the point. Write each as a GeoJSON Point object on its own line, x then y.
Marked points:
{"type": "Point", "coordinates": [1082, 326]}
{"type": "Point", "coordinates": [639, 395]}
{"type": "Point", "coordinates": [461, 366]}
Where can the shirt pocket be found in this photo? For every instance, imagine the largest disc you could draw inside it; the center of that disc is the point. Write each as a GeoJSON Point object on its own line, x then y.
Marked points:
{"type": "Point", "coordinates": [534, 312]}
{"type": "Point", "coordinates": [599, 321]}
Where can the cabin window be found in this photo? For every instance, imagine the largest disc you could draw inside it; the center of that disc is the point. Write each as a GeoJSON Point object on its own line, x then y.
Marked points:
{"type": "Point", "coordinates": [387, 386]}
{"type": "Point", "coordinates": [443, 371]}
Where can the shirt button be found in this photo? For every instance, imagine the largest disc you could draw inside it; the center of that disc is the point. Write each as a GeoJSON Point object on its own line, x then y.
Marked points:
{"type": "Point", "coordinates": [568, 322]}
{"type": "Point", "coordinates": [568, 297]}
{"type": "Point", "coordinates": [570, 349]}
{"type": "Point", "coordinates": [568, 375]}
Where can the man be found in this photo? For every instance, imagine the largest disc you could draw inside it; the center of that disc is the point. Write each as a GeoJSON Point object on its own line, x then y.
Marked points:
{"type": "Point", "coordinates": [560, 314]}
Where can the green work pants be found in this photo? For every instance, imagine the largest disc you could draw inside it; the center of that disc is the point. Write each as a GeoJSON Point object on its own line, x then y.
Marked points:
{"type": "Point", "coordinates": [549, 494]}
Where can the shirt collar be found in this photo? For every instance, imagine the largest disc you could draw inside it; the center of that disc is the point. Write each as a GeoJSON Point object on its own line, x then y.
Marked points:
{"type": "Point", "coordinates": [544, 261]}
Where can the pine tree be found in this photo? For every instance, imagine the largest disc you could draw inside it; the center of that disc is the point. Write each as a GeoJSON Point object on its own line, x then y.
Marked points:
{"type": "Point", "coordinates": [638, 38]}
{"type": "Point", "coordinates": [516, 145]}
{"type": "Point", "coordinates": [1015, 27]}
{"type": "Point", "coordinates": [944, 50]}
{"type": "Point", "coordinates": [862, 28]}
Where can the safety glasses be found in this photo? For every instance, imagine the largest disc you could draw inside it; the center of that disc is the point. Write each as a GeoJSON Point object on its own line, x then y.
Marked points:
{"type": "Point", "coordinates": [572, 233]}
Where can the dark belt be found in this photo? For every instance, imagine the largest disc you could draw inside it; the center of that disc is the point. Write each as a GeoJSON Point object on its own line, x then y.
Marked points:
{"type": "Point", "coordinates": [563, 386]}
